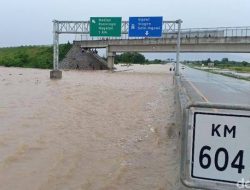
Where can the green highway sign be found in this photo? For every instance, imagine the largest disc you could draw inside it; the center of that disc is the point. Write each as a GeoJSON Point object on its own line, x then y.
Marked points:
{"type": "Point", "coordinates": [105, 26]}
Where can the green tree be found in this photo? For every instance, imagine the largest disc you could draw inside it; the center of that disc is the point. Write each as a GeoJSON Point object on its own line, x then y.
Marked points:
{"type": "Point", "coordinates": [224, 60]}
{"type": "Point", "coordinates": [21, 59]}
{"type": "Point", "coordinates": [130, 57]}
{"type": "Point", "coordinates": [244, 63]}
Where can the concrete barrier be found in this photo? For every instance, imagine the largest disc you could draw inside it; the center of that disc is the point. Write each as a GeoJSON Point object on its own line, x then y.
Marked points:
{"type": "Point", "coordinates": [182, 100]}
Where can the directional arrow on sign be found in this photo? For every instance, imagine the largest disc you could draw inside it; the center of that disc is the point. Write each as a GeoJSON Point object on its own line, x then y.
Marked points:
{"type": "Point", "coordinates": [146, 33]}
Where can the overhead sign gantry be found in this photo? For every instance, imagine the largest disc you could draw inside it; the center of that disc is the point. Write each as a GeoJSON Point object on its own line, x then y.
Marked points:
{"type": "Point", "coordinates": [112, 27]}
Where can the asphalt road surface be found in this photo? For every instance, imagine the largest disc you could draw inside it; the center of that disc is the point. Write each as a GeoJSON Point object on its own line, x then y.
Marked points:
{"type": "Point", "coordinates": [208, 87]}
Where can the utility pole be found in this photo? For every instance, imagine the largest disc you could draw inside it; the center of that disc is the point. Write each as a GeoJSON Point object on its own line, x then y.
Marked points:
{"type": "Point", "coordinates": [178, 46]}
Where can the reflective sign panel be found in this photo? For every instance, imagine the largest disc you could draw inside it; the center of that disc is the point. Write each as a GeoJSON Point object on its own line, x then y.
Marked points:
{"type": "Point", "coordinates": [145, 26]}
{"type": "Point", "coordinates": [220, 147]}
{"type": "Point", "coordinates": [105, 26]}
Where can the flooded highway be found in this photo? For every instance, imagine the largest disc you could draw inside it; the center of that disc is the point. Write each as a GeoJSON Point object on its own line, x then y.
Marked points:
{"type": "Point", "coordinates": [91, 130]}
{"type": "Point", "coordinates": [215, 88]}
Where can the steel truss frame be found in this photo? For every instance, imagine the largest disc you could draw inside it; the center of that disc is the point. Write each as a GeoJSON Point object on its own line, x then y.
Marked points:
{"type": "Point", "coordinates": [83, 27]}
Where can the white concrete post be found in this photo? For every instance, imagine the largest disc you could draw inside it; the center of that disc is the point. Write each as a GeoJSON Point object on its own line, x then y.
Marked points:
{"type": "Point", "coordinates": [110, 58]}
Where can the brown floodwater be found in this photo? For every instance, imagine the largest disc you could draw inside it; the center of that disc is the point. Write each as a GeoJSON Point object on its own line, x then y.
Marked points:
{"type": "Point", "coordinates": [91, 130]}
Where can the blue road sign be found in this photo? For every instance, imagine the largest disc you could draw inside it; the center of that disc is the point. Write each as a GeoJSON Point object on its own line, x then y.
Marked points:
{"type": "Point", "coordinates": [145, 26]}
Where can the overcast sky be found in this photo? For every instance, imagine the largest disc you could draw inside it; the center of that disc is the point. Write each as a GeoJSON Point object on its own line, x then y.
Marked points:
{"type": "Point", "coordinates": [26, 22]}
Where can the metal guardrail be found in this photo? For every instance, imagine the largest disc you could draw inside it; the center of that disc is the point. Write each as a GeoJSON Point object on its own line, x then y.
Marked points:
{"type": "Point", "coordinates": [217, 32]}
{"type": "Point", "coordinates": [218, 106]}
{"type": "Point", "coordinates": [221, 32]}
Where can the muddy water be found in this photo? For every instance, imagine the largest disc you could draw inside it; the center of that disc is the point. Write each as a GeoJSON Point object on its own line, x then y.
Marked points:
{"type": "Point", "coordinates": [88, 131]}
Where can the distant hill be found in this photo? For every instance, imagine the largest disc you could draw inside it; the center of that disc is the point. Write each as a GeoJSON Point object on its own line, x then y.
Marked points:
{"type": "Point", "coordinates": [31, 56]}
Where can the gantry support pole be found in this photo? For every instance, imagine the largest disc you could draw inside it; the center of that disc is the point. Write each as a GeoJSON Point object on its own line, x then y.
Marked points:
{"type": "Point", "coordinates": [178, 46]}
{"type": "Point", "coordinates": [55, 73]}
